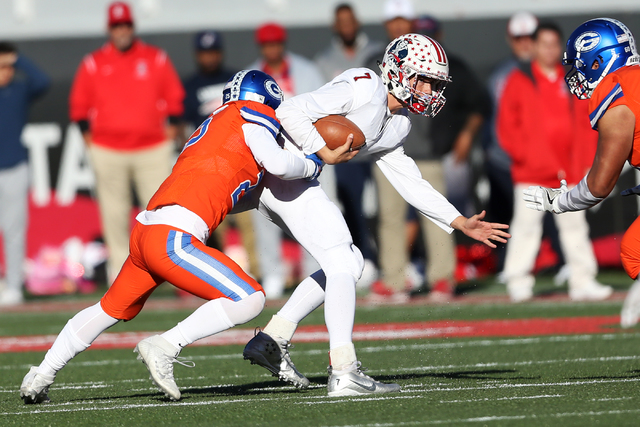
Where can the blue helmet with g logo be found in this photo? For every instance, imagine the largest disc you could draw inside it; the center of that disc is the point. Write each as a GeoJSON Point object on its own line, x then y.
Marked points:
{"type": "Point", "coordinates": [253, 85]}
{"type": "Point", "coordinates": [596, 48]}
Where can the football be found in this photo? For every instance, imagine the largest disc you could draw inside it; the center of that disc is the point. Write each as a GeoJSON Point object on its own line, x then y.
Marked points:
{"type": "Point", "coordinates": [335, 129]}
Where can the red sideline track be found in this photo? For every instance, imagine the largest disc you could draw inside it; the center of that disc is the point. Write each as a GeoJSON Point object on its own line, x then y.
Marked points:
{"type": "Point", "coordinates": [367, 332]}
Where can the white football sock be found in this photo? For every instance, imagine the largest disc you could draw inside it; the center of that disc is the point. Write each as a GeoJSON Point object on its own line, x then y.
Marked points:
{"type": "Point", "coordinates": [213, 317]}
{"type": "Point", "coordinates": [308, 296]}
{"type": "Point", "coordinates": [77, 335]}
{"type": "Point", "coordinates": [280, 327]}
{"type": "Point", "coordinates": [339, 308]}
{"type": "Point", "coordinates": [343, 358]}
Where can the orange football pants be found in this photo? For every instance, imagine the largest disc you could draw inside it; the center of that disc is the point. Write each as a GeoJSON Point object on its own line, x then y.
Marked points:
{"type": "Point", "coordinates": [630, 250]}
{"type": "Point", "coordinates": [159, 253]}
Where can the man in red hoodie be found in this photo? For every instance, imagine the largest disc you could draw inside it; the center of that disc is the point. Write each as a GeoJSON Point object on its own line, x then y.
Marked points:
{"type": "Point", "coordinates": [546, 133]}
{"type": "Point", "coordinates": [126, 98]}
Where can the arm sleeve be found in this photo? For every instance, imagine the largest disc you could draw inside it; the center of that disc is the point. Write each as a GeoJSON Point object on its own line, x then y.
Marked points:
{"type": "Point", "coordinates": [403, 173]}
{"type": "Point", "coordinates": [298, 114]}
{"type": "Point", "coordinates": [81, 95]}
{"type": "Point", "coordinates": [172, 89]}
{"type": "Point", "coordinates": [38, 80]}
{"type": "Point", "coordinates": [509, 121]}
{"type": "Point", "coordinates": [274, 159]}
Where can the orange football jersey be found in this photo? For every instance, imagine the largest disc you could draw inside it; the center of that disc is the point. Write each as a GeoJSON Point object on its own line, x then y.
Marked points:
{"type": "Point", "coordinates": [216, 167]}
{"type": "Point", "coordinates": [622, 87]}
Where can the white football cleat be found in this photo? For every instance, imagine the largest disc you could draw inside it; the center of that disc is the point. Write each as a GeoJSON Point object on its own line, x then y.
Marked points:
{"type": "Point", "coordinates": [159, 355]}
{"type": "Point", "coordinates": [593, 291]}
{"type": "Point", "coordinates": [356, 383]}
{"type": "Point", "coordinates": [520, 289]}
{"type": "Point", "coordinates": [272, 353]}
{"type": "Point", "coordinates": [631, 307]}
{"type": "Point", "coordinates": [11, 297]}
{"type": "Point", "coordinates": [35, 387]}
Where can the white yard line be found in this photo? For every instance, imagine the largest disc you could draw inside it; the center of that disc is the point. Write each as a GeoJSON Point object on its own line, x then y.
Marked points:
{"type": "Point", "coordinates": [381, 348]}
{"type": "Point", "coordinates": [302, 399]}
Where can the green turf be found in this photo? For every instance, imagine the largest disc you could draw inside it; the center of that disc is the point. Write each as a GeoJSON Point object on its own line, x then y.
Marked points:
{"type": "Point", "coordinates": [573, 380]}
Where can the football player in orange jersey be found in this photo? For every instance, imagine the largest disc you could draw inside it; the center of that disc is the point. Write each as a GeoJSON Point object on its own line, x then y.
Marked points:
{"type": "Point", "coordinates": [225, 158]}
{"type": "Point", "coordinates": [604, 69]}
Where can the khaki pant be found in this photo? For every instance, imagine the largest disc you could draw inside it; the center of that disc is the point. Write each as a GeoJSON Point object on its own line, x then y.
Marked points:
{"type": "Point", "coordinates": [393, 256]}
{"type": "Point", "coordinates": [526, 236]}
{"type": "Point", "coordinates": [14, 210]}
{"type": "Point", "coordinates": [115, 172]}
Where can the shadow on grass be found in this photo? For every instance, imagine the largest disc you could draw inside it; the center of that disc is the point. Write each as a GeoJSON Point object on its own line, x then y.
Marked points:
{"type": "Point", "coordinates": [251, 389]}
{"type": "Point", "coordinates": [634, 373]}
{"type": "Point", "coordinates": [485, 374]}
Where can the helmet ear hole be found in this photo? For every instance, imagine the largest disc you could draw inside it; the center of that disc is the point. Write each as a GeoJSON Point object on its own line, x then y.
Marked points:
{"type": "Point", "coordinates": [595, 65]}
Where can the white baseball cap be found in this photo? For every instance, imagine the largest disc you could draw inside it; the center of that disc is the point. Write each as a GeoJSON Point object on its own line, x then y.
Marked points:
{"type": "Point", "coordinates": [522, 24]}
{"type": "Point", "coordinates": [399, 9]}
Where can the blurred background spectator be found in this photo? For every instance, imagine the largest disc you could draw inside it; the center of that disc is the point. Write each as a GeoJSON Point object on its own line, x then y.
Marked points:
{"type": "Point", "coordinates": [21, 83]}
{"type": "Point", "coordinates": [203, 95]}
{"type": "Point", "coordinates": [520, 29]}
{"type": "Point", "coordinates": [350, 48]}
{"type": "Point", "coordinates": [294, 74]}
{"type": "Point", "coordinates": [441, 147]}
{"type": "Point", "coordinates": [127, 100]}
{"type": "Point", "coordinates": [399, 16]}
{"type": "Point", "coordinates": [546, 133]}
{"type": "Point", "coordinates": [204, 87]}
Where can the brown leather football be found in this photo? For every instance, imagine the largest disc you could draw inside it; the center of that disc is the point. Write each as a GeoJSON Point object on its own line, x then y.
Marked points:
{"type": "Point", "coordinates": [335, 129]}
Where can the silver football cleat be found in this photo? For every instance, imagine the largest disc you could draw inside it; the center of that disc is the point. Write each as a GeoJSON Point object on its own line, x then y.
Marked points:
{"type": "Point", "coordinates": [356, 383]}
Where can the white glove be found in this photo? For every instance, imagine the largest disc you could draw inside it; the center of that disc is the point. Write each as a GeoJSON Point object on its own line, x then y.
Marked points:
{"type": "Point", "coordinates": [544, 199]}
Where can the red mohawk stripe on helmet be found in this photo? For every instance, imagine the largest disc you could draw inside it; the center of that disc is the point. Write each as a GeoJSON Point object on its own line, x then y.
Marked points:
{"type": "Point", "coordinates": [442, 57]}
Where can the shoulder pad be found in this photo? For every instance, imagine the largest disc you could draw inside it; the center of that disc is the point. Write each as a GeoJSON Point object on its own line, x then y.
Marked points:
{"type": "Point", "coordinates": [253, 116]}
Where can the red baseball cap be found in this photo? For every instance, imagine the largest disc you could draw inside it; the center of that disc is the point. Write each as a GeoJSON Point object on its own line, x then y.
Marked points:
{"type": "Point", "coordinates": [120, 13]}
{"type": "Point", "coordinates": [271, 33]}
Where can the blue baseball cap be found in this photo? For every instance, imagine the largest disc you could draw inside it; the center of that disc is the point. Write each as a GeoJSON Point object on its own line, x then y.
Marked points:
{"type": "Point", "coordinates": [208, 40]}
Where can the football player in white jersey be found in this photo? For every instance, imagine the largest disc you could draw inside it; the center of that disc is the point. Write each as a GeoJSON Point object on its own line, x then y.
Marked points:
{"type": "Point", "coordinates": [414, 74]}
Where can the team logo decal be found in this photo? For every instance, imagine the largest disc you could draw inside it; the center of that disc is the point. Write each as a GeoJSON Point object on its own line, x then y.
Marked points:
{"type": "Point", "coordinates": [400, 50]}
{"type": "Point", "coordinates": [273, 89]}
{"type": "Point", "coordinates": [587, 41]}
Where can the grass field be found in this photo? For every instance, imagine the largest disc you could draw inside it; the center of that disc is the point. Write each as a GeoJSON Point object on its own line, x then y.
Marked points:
{"type": "Point", "coordinates": [569, 380]}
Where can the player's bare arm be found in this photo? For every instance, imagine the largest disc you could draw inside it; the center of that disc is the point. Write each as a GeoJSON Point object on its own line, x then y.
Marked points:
{"type": "Point", "coordinates": [341, 154]}
{"type": "Point", "coordinates": [615, 142]}
{"type": "Point", "coordinates": [480, 230]}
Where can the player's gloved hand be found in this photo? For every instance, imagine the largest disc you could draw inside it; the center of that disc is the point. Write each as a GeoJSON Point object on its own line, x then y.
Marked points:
{"type": "Point", "coordinates": [631, 191]}
{"type": "Point", "coordinates": [544, 199]}
{"type": "Point", "coordinates": [318, 163]}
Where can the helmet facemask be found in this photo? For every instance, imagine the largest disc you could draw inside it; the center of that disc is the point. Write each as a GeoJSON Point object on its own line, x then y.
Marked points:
{"type": "Point", "coordinates": [577, 81]}
{"type": "Point", "coordinates": [426, 104]}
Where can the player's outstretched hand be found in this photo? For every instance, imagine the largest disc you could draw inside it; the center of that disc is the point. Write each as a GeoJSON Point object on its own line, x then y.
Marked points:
{"type": "Point", "coordinates": [341, 154]}
{"type": "Point", "coordinates": [480, 230]}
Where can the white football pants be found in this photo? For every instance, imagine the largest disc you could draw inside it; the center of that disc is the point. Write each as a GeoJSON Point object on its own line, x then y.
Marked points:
{"type": "Point", "coordinates": [303, 210]}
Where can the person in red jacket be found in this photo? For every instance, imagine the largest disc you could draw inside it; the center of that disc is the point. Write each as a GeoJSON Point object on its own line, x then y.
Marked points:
{"type": "Point", "coordinates": [546, 133]}
{"type": "Point", "coordinates": [127, 99]}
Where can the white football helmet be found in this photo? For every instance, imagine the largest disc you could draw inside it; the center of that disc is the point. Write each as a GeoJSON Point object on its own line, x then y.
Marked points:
{"type": "Point", "coordinates": [416, 55]}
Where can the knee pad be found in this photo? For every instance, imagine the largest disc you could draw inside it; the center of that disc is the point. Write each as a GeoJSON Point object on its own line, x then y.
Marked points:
{"type": "Point", "coordinates": [345, 258]}
{"type": "Point", "coordinates": [242, 311]}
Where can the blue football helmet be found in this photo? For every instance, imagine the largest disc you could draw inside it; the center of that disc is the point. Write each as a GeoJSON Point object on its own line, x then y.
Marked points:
{"type": "Point", "coordinates": [253, 85]}
{"type": "Point", "coordinates": [596, 48]}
